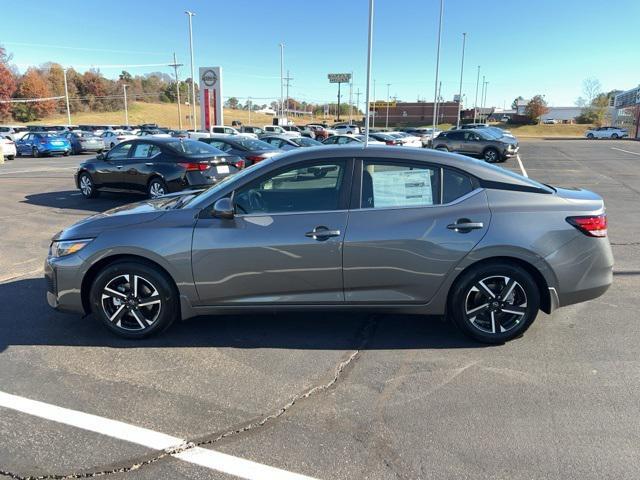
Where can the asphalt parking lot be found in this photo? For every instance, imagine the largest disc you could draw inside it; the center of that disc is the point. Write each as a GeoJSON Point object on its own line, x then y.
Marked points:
{"type": "Point", "coordinates": [330, 397]}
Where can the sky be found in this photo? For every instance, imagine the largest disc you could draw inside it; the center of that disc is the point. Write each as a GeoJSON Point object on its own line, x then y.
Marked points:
{"type": "Point", "coordinates": [523, 47]}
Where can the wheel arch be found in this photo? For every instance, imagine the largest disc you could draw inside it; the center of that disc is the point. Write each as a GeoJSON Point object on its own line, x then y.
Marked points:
{"type": "Point", "coordinates": [536, 274]}
{"type": "Point", "coordinates": [94, 270]}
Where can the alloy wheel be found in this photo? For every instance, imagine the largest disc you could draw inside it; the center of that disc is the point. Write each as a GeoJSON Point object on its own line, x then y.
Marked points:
{"type": "Point", "coordinates": [86, 186]}
{"type": "Point", "coordinates": [495, 304]}
{"type": "Point", "coordinates": [131, 302]}
{"type": "Point", "coordinates": [490, 156]}
{"type": "Point", "coordinates": [156, 189]}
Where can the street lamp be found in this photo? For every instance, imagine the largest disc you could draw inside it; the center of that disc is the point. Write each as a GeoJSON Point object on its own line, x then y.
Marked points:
{"type": "Point", "coordinates": [386, 123]}
{"type": "Point", "coordinates": [435, 99]}
{"type": "Point", "coordinates": [281, 80]}
{"type": "Point", "coordinates": [369, 53]}
{"type": "Point", "coordinates": [475, 104]}
{"type": "Point", "coordinates": [126, 111]}
{"type": "Point", "coordinates": [193, 75]}
{"type": "Point", "coordinates": [66, 96]}
{"type": "Point", "coordinates": [464, 41]}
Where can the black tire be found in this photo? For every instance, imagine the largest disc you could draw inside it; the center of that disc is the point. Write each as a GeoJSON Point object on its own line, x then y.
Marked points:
{"type": "Point", "coordinates": [100, 151]}
{"type": "Point", "coordinates": [86, 186]}
{"type": "Point", "coordinates": [35, 153]}
{"type": "Point", "coordinates": [491, 155]}
{"type": "Point", "coordinates": [614, 136]}
{"type": "Point", "coordinates": [590, 136]}
{"type": "Point", "coordinates": [66, 154]}
{"type": "Point", "coordinates": [156, 188]}
{"type": "Point", "coordinates": [111, 146]}
{"type": "Point", "coordinates": [442, 148]}
{"type": "Point", "coordinates": [10, 157]}
{"type": "Point", "coordinates": [127, 315]}
{"type": "Point", "coordinates": [497, 322]}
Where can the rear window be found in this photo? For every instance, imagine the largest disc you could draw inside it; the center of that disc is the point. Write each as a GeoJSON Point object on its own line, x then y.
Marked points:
{"type": "Point", "coordinates": [252, 144]}
{"type": "Point", "coordinates": [455, 185]}
{"type": "Point", "coordinates": [192, 148]}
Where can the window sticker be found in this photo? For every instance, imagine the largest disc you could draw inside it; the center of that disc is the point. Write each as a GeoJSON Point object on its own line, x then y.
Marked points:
{"type": "Point", "coordinates": [402, 188]}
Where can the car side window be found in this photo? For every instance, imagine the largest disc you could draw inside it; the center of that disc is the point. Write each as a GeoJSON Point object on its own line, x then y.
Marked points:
{"type": "Point", "coordinates": [455, 185]}
{"type": "Point", "coordinates": [398, 184]}
{"type": "Point", "coordinates": [119, 151]}
{"type": "Point", "coordinates": [312, 187]}
{"type": "Point", "coordinates": [146, 150]}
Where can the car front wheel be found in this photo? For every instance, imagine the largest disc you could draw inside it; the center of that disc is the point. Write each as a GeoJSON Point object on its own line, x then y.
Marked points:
{"type": "Point", "coordinates": [495, 302]}
{"type": "Point", "coordinates": [87, 187]}
{"type": "Point", "coordinates": [35, 153]}
{"type": "Point", "coordinates": [614, 136]}
{"type": "Point", "coordinates": [133, 299]}
{"type": "Point", "coordinates": [491, 155]}
{"type": "Point", "coordinates": [590, 136]}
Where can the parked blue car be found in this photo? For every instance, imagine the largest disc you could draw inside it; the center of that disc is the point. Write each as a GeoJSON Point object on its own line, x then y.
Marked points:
{"type": "Point", "coordinates": [43, 143]}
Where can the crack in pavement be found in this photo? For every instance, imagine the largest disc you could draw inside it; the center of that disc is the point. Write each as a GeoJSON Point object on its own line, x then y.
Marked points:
{"type": "Point", "coordinates": [364, 335]}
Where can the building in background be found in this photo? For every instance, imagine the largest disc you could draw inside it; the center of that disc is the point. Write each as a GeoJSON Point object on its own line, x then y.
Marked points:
{"type": "Point", "coordinates": [414, 113]}
{"type": "Point", "coordinates": [626, 112]}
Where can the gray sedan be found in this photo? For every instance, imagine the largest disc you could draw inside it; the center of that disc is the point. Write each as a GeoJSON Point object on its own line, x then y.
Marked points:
{"type": "Point", "coordinates": [334, 228]}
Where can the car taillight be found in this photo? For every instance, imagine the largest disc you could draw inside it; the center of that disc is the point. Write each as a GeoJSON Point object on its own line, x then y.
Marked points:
{"type": "Point", "coordinates": [390, 142]}
{"type": "Point", "coordinates": [592, 226]}
{"type": "Point", "coordinates": [239, 164]}
{"type": "Point", "coordinates": [121, 138]}
{"type": "Point", "coordinates": [256, 159]}
{"type": "Point", "coordinates": [194, 166]}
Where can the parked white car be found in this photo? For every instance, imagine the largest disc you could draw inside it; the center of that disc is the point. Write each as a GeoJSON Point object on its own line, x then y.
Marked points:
{"type": "Point", "coordinates": [8, 148]}
{"type": "Point", "coordinates": [607, 132]}
{"type": "Point", "coordinates": [278, 130]}
{"type": "Point", "coordinates": [111, 138]}
{"type": "Point", "coordinates": [406, 139]}
{"type": "Point", "coordinates": [346, 130]}
{"type": "Point", "coordinates": [219, 130]}
{"type": "Point", "coordinates": [14, 132]}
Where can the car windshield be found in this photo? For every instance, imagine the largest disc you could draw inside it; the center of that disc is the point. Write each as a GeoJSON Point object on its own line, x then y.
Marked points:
{"type": "Point", "coordinates": [194, 148]}
{"type": "Point", "coordinates": [253, 144]}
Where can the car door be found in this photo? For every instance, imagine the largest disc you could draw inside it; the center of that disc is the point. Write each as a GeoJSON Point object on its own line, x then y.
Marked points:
{"type": "Point", "coordinates": [472, 143]}
{"type": "Point", "coordinates": [284, 244]}
{"type": "Point", "coordinates": [109, 171]}
{"type": "Point", "coordinates": [411, 224]}
{"type": "Point", "coordinates": [24, 144]}
{"type": "Point", "coordinates": [454, 141]}
{"type": "Point", "coordinates": [140, 165]}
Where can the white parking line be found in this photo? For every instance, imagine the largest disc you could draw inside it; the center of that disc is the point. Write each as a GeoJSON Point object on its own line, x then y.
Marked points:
{"type": "Point", "coordinates": [148, 438]}
{"type": "Point", "coordinates": [524, 172]}
{"type": "Point", "coordinates": [625, 151]}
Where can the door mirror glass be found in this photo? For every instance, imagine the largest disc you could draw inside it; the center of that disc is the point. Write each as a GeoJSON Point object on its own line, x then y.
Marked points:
{"type": "Point", "coordinates": [223, 208]}
{"type": "Point", "coordinates": [100, 156]}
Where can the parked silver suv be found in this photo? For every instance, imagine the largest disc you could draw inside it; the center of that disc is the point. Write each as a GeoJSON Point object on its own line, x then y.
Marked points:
{"type": "Point", "coordinates": [479, 142]}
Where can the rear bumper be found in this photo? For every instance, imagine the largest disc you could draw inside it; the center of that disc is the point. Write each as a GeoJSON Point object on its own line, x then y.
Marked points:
{"type": "Point", "coordinates": [583, 268]}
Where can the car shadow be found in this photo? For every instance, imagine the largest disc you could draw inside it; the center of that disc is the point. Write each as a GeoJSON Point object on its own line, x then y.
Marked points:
{"type": "Point", "coordinates": [73, 200]}
{"type": "Point", "coordinates": [26, 319]}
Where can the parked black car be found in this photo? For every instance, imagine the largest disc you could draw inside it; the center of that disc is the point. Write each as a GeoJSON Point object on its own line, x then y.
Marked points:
{"type": "Point", "coordinates": [477, 142]}
{"type": "Point", "coordinates": [84, 142]}
{"type": "Point", "coordinates": [249, 149]}
{"type": "Point", "coordinates": [155, 166]}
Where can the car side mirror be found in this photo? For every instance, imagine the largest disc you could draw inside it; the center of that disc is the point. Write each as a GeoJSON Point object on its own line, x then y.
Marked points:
{"type": "Point", "coordinates": [223, 208]}
{"type": "Point", "coordinates": [100, 156]}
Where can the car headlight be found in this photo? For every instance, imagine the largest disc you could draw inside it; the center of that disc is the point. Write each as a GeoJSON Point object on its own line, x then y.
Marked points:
{"type": "Point", "coordinates": [67, 247]}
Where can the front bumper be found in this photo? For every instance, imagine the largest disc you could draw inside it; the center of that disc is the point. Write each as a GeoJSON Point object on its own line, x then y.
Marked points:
{"type": "Point", "coordinates": [63, 286]}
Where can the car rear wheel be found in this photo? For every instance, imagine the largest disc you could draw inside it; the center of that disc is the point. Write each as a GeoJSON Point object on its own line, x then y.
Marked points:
{"type": "Point", "coordinates": [34, 152]}
{"type": "Point", "coordinates": [491, 155]}
{"type": "Point", "coordinates": [157, 188]}
{"type": "Point", "coordinates": [10, 157]}
{"type": "Point", "coordinates": [442, 148]}
{"type": "Point", "coordinates": [133, 299]}
{"type": "Point", "coordinates": [495, 302]}
{"type": "Point", "coordinates": [87, 187]}
{"type": "Point", "coordinates": [614, 136]}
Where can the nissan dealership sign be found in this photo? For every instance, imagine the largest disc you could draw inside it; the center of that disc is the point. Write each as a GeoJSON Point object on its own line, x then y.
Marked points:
{"type": "Point", "coordinates": [211, 112]}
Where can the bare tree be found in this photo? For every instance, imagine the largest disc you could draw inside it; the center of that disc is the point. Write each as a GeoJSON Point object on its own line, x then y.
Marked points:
{"type": "Point", "coordinates": [591, 88]}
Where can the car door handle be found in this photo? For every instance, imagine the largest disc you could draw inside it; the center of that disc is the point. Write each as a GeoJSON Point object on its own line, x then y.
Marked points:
{"type": "Point", "coordinates": [149, 164]}
{"type": "Point", "coordinates": [119, 167]}
{"type": "Point", "coordinates": [322, 233]}
{"type": "Point", "coordinates": [464, 225]}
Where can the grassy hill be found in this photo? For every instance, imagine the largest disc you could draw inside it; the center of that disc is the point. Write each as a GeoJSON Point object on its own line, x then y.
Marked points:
{"type": "Point", "coordinates": [164, 114]}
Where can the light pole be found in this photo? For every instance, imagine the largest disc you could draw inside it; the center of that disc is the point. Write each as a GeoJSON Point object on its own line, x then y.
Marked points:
{"type": "Point", "coordinates": [475, 104]}
{"type": "Point", "coordinates": [281, 79]}
{"type": "Point", "coordinates": [481, 97]}
{"type": "Point", "coordinates": [175, 66]}
{"type": "Point", "coordinates": [250, 108]}
{"type": "Point", "coordinates": [386, 122]}
{"type": "Point", "coordinates": [375, 109]}
{"type": "Point", "coordinates": [66, 96]}
{"type": "Point", "coordinates": [369, 53]}
{"type": "Point", "coordinates": [193, 75]}
{"type": "Point", "coordinates": [484, 102]}
{"type": "Point", "coordinates": [126, 110]}
{"type": "Point", "coordinates": [435, 100]}
{"type": "Point", "coordinates": [351, 99]}
{"type": "Point", "coordinates": [464, 41]}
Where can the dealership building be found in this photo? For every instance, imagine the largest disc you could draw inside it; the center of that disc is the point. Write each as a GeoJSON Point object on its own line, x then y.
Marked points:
{"type": "Point", "coordinates": [627, 111]}
{"type": "Point", "coordinates": [413, 113]}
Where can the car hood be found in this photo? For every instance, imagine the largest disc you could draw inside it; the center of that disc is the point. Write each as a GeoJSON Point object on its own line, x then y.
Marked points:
{"type": "Point", "coordinates": [132, 214]}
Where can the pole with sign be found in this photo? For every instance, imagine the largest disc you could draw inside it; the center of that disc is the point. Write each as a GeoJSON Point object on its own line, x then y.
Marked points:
{"type": "Point", "coordinates": [211, 112]}
{"type": "Point", "coordinates": [339, 78]}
